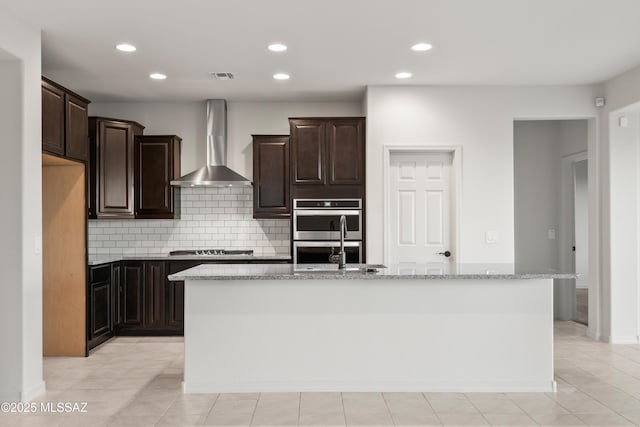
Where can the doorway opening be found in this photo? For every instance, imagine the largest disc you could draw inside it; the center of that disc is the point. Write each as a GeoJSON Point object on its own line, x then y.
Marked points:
{"type": "Point", "coordinates": [551, 206]}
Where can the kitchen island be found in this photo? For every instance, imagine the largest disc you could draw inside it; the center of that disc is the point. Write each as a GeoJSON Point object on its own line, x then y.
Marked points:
{"type": "Point", "coordinates": [287, 327]}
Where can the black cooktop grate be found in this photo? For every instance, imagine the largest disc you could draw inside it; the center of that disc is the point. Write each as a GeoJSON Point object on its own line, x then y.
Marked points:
{"type": "Point", "coordinates": [212, 252]}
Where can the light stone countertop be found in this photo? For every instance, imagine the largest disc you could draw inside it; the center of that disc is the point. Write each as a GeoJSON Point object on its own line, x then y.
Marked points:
{"type": "Point", "coordinates": [105, 259]}
{"type": "Point", "coordinates": [363, 271]}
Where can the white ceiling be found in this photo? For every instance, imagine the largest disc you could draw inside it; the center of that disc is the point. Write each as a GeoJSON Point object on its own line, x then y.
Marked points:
{"type": "Point", "coordinates": [336, 47]}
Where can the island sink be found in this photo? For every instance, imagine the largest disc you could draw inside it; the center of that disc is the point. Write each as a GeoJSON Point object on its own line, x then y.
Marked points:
{"type": "Point", "coordinates": [333, 268]}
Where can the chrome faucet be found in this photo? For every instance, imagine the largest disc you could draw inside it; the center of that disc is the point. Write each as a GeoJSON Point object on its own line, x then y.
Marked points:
{"type": "Point", "coordinates": [342, 255]}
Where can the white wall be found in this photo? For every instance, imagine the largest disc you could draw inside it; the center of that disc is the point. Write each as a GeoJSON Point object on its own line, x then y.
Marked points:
{"type": "Point", "coordinates": [21, 214]}
{"type": "Point", "coordinates": [539, 147]}
{"type": "Point", "coordinates": [537, 184]}
{"type": "Point", "coordinates": [480, 120]}
{"type": "Point", "coordinates": [574, 135]}
{"type": "Point", "coordinates": [188, 120]}
{"type": "Point", "coordinates": [619, 294]}
{"type": "Point", "coordinates": [624, 173]}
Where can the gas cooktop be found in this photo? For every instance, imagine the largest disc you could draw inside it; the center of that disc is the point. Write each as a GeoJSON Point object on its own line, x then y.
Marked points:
{"type": "Point", "coordinates": [209, 252]}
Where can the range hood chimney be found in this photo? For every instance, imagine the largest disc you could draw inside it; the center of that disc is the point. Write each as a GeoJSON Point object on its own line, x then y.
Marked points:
{"type": "Point", "coordinates": [215, 173]}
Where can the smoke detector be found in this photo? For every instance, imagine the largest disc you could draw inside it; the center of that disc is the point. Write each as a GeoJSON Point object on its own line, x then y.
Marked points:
{"type": "Point", "coordinates": [222, 76]}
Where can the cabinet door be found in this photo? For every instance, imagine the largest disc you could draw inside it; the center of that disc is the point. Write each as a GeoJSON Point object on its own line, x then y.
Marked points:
{"type": "Point", "coordinates": [53, 106]}
{"type": "Point", "coordinates": [154, 170]}
{"type": "Point", "coordinates": [175, 305]}
{"type": "Point", "coordinates": [116, 293]}
{"type": "Point", "coordinates": [132, 294]}
{"type": "Point", "coordinates": [100, 307]}
{"type": "Point", "coordinates": [307, 151]}
{"type": "Point", "coordinates": [345, 143]}
{"type": "Point", "coordinates": [77, 130]}
{"type": "Point", "coordinates": [154, 286]}
{"type": "Point", "coordinates": [271, 176]}
{"type": "Point", "coordinates": [115, 169]}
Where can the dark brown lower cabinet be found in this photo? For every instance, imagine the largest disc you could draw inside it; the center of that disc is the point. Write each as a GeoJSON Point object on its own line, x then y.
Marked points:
{"type": "Point", "coordinates": [131, 297]}
{"type": "Point", "coordinates": [175, 305]}
{"type": "Point", "coordinates": [116, 290]}
{"type": "Point", "coordinates": [154, 290]}
{"type": "Point", "coordinates": [99, 305]}
{"type": "Point", "coordinates": [136, 298]}
{"type": "Point", "coordinates": [149, 300]}
{"type": "Point", "coordinates": [175, 294]}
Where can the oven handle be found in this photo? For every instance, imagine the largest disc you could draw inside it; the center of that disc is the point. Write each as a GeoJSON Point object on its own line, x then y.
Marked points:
{"type": "Point", "coordinates": [327, 212]}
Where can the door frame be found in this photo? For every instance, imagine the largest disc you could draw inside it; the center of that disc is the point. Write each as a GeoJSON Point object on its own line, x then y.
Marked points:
{"type": "Point", "coordinates": [456, 191]}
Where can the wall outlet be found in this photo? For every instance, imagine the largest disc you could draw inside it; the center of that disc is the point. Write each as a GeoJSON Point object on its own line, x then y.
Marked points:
{"type": "Point", "coordinates": [490, 237]}
{"type": "Point", "coordinates": [551, 234]}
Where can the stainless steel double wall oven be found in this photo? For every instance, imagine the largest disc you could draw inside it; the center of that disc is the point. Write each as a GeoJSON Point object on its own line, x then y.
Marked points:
{"type": "Point", "coordinates": [316, 229]}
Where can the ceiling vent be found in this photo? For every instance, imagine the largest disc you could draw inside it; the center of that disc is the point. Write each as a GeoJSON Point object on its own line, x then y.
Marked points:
{"type": "Point", "coordinates": [222, 76]}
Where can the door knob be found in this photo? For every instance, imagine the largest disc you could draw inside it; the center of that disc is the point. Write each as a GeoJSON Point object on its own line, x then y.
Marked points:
{"type": "Point", "coordinates": [445, 253]}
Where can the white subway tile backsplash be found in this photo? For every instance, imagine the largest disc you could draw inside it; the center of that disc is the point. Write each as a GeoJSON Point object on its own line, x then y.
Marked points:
{"type": "Point", "coordinates": [210, 218]}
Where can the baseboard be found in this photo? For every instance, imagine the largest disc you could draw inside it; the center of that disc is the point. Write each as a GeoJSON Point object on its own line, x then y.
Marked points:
{"type": "Point", "coordinates": [621, 339]}
{"type": "Point", "coordinates": [402, 386]}
{"type": "Point", "coordinates": [33, 392]}
{"type": "Point", "coordinates": [24, 396]}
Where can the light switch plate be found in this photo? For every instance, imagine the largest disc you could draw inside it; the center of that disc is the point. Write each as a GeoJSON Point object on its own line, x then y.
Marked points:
{"type": "Point", "coordinates": [37, 245]}
{"type": "Point", "coordinates": [490, 237]}
{"type": "Point", "coordinates": [551, 234]}
{"type": "Point", "coordinates": [623, 122]}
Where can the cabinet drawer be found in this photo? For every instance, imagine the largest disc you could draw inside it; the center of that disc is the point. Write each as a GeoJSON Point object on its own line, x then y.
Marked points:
{"type": "Point", "coordinates": [100, 273]}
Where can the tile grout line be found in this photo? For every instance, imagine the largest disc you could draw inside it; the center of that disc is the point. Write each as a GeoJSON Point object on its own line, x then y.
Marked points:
{"type": "Point", "coordinates": [386, 404]}
{"type": "Point", "coordinates": [344, 410]}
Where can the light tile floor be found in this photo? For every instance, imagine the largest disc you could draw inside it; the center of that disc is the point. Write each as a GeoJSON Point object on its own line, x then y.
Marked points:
{"type": "Point", "coordinates": [136, 382]}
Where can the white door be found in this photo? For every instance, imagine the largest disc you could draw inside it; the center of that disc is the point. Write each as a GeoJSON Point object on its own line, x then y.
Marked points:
{"type": "Point", "coordinates": [420, 207]}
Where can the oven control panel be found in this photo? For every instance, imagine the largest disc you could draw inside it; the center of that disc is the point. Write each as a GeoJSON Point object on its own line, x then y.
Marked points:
{"type": "Point", "coordinates": [327, 204]}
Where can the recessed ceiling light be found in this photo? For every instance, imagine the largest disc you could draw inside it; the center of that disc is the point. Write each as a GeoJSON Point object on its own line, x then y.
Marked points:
{"type": "Point", "coordinates": [277, 47]}
{"type": "Point", "coordinates": [126, 47]}
{"type": "Point", "coordinates": [281, 76]}
{"type": "Point", "coordinates": [157, 76]}
{"type": "Point", "coordinates": [421, 47]}
{"type": "Point", "coordinates": [403, 75]}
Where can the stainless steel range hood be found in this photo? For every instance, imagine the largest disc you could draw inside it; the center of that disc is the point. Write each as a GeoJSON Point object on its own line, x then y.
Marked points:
{"type": "Point", "coordinates": [215, 173]}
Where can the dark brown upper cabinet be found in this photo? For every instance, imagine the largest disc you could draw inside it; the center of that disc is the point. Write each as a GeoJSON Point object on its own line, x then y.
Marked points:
{"type": "Point", "coordinates": [345, 145]}
{"type": "Point", "coordinates": [111, 186]}
{"type": "Point", "coordinates": [308, 155]}
{"type": "Point", "coordinates": [271, 176]}
{"type": "Point", "coordinates": [64, 122]}
{"type": "Point", "coordinates": [327, 157]}
{"type": "Point", "coordinates": [157, 163]}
